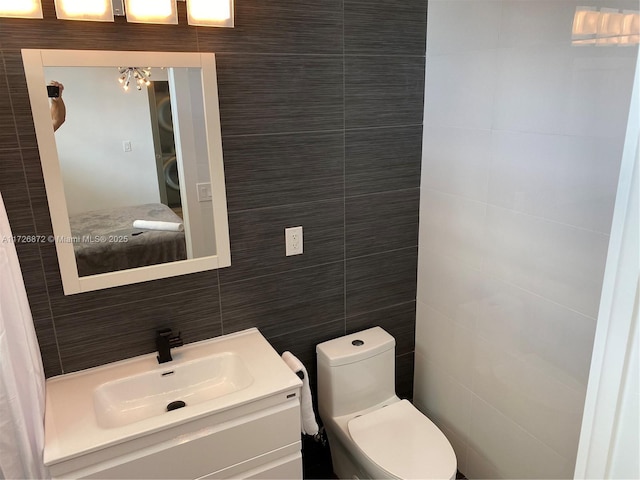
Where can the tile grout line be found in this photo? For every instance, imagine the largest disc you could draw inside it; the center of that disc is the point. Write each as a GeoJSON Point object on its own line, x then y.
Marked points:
{"type": "Point", "coordinates": [220, 302]}
{"type": "Point", "coordinates": [112, 305]}
{"type": "Point", "coordinates": [327, 200]}
{"type": "Point", "coordinates": [33, 217]}
{"type": "Point", "coordinates": [493, 276]}
{"type": "Point", "coordinates": [326, 131]}
{"type": "Point", "coordinates": [344, 171]}
{"type": "Point", "coordinates": [335, 55]}
{"type": "Point", "coordinates": [488, 204]}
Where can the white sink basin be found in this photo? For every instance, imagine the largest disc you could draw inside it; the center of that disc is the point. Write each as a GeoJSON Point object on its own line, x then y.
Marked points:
{"type": "Point", "coordinates": [134, 398]}
{"type": "Point", "coordinates": [127, 401]}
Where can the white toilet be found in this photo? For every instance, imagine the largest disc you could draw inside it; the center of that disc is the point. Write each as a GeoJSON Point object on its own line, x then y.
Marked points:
{"type": "Point", "coordinates": [372, 433]}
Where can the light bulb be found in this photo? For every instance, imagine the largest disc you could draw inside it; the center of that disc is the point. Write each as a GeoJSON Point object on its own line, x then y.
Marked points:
{"type": "Point", "coordinates": [217, 13]}
{"type": "Point", "coordinates": [95, 10]}
{"type": "Point", "coordinates": [156, 11]}
{"type": "Point", "coordinates": [21, 8]}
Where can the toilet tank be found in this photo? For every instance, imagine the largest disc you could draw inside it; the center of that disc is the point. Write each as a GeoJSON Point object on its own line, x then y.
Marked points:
{"type": "Point", "coordinates": [355, 372]}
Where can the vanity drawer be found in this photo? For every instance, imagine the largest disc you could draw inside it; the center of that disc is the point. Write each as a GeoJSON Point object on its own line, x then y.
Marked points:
{"type": "Point", "coordinates": [282, 469]}
{"type": "Point", "coordinates": [282, 464]}
{"type": "Point", "coordinates": [210, 449]}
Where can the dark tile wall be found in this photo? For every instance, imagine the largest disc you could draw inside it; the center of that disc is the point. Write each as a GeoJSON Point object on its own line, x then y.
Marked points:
{"type": "Point", "coordinates": [321, 106]}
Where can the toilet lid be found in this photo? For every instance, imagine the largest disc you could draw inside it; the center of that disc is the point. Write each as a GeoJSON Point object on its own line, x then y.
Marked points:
{"type": "Point", "coordinates": [405, 443]}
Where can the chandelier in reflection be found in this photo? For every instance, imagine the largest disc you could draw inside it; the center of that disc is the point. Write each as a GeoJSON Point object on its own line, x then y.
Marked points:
{"type": "Point", "coordinates": [137, 75]}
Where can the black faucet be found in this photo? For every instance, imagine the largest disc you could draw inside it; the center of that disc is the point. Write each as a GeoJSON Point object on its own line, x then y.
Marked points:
{"type": "Point", "coordinates": [165, 341]}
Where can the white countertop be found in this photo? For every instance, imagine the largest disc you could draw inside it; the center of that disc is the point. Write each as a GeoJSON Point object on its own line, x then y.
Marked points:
{"type": "Point", "coordinates": [71, 427]}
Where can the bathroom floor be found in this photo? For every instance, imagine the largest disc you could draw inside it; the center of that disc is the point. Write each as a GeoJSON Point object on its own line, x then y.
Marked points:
{"type": "Point", "coordinates": [316, 460]}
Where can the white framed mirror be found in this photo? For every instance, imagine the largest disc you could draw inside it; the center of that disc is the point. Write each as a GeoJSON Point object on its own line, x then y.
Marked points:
{"type": "Point", "coordinates": [134, 177]}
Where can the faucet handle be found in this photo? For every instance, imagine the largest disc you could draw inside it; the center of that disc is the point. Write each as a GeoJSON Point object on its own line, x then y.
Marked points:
{"type": "Point", "coordinates": [164, 332]}
{"type": "Point", "coordinates": [176, 340]}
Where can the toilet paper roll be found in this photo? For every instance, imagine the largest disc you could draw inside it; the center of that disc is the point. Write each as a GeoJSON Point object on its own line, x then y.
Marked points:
{"type": "Point", "coordinates": [157, 225]}
{"type": "Point", "coordinates": [307, 416]}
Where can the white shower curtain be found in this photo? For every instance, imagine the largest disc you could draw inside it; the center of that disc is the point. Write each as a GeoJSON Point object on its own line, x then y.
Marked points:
{"type": "Point", "coordinates": [21, 372]}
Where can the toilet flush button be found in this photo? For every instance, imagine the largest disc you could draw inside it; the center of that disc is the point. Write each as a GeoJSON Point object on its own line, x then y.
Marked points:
{"type": "Point", "coordinates": [357, 343]}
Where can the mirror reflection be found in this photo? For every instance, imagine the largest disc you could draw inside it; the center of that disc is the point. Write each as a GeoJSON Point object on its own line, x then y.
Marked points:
{"type": "Point", "coordinates": [134, 165]}
{"type": "Point", "coordinates": [134, 177]}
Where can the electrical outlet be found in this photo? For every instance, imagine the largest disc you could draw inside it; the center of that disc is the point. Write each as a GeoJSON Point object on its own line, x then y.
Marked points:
{"type": "Point", "coordinates": [126, 145]}
{"type": "Point", "coordinates": [293, 240]}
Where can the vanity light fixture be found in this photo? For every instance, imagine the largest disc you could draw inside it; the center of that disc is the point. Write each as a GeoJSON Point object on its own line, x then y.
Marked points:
{"type": "Point", "coordinates": [203, 13]}
{"type": "Point", "coordinates": [605, 26]}
{"type": "Point", "coordinates": [146, 11]}
{"type": "Point", "coordinates": [139, 76]}
{"type": "Point", "coordinates": [94, 10]}
{"type": "Point", "coordinates": [21, 8]}
{"type": "Point", "coordinates": [210, 13]}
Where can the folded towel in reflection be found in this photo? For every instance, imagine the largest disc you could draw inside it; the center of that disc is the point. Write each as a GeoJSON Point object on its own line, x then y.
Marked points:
{"type": "Point", "coordinates": [308, 418]}
{"type": "Point", "coordinates": [157, 225]}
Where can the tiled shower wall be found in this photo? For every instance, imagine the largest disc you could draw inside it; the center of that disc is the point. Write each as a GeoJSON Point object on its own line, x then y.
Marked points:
{"type": "Point", "coordinates": [321, 106]}
{"type": "Point", "coordinates": [523, 141]}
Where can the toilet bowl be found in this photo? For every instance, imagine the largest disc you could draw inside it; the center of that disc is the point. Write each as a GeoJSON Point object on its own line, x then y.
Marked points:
{"type": "Point", "coordinates": [372, 433]}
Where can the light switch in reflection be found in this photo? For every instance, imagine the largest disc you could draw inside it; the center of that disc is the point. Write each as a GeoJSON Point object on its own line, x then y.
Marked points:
{"type": "Point", "coordinates": [204, 192]}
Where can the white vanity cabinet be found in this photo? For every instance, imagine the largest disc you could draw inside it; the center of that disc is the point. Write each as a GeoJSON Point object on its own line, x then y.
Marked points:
{"type": "Point", "coordinates": [258, 441]}
{"type": "Point", "coordinates": [240, 416]}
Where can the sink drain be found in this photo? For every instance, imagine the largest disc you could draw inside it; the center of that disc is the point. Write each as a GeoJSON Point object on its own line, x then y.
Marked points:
{"type": "Point", "coordinates": [176, 405]}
